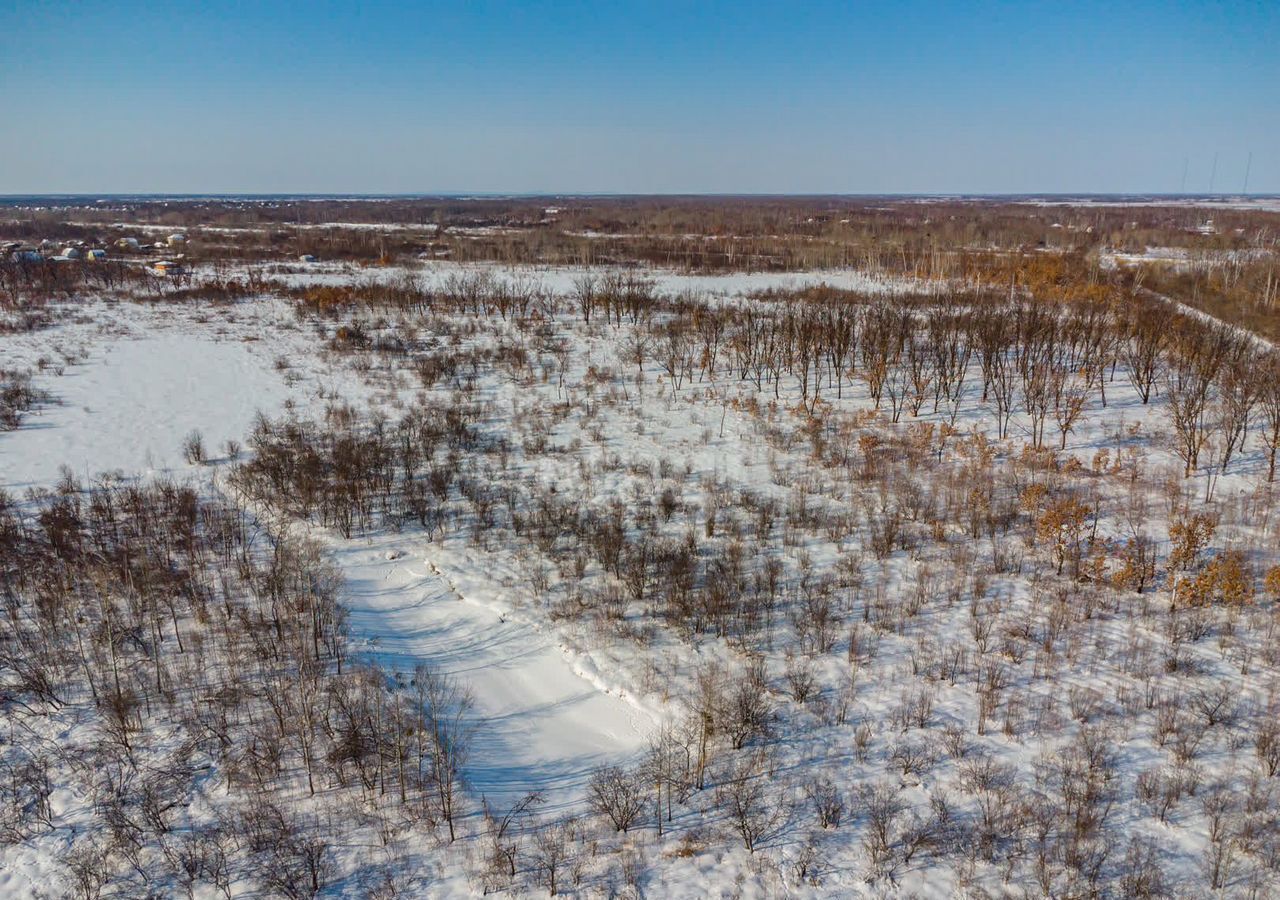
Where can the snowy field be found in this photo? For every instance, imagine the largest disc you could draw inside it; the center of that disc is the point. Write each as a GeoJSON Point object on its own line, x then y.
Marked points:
{"type": "Point", "coordinates": [1261, 204]}
{"type": "Point", "coordinates": [560, 280]}
{"type": "Point", "coordinates": [127, 405]}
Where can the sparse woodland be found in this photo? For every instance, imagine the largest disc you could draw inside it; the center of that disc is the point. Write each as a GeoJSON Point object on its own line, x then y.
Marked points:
{"type": "Point", "coordinates": [966, 588]}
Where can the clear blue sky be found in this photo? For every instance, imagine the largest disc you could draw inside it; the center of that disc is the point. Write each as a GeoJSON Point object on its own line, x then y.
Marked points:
{"type": "Point", "coordinates": [638, 97]}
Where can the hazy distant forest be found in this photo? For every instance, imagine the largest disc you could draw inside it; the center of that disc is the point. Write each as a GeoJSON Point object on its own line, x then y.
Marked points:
{"type": "Point", "coordinates": [1230, 252]}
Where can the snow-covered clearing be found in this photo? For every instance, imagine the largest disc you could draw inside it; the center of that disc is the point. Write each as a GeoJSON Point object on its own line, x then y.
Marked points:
{"type": "Point", "coordinates": [544, 719]}
{"type": "Point", "coordinates": [129, 381]}
{"type": "Point", "coordinates": [561, 280]}
{"type": "Point", "coordinates": [128, 404]}
{"type": "Point", "coordinates": [1183, 258]}
{"type": "Point", "coordinates": [1256, 203]}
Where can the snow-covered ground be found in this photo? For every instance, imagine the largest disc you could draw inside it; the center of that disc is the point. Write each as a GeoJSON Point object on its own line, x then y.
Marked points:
{"type": "Point", "coordinates": [129, 382]}
{"type": "Point", "coordinates": [544, 718]}
{"type": "Point", "coordinates": [1259, 203]}
{"type": "Point", "coordinates": [127, 405]}
{"type": "Point", "coordinates": [1182, 257]}
{"type": "Point", "coordinates": [560, 280]}
{"type": "Point", "coordinates": [558, 696]}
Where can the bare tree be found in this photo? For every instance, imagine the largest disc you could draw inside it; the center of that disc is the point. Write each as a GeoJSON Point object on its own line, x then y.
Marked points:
{"type": "Point", "coordinates": [750, 800]}
{"type": "Point", "coordinates": [552, 846]}
{"type": "Point", "coordinates": [618, 795]}
{"type": "Point", "coordinates": [445, 707]}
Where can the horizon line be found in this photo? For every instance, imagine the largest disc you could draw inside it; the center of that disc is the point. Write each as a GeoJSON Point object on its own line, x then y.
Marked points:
{"type": "Point", "coordinates": [497, 195]}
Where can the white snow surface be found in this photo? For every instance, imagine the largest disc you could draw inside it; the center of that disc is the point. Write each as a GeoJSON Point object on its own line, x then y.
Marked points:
{"type": "Point", "coordinates": [129, 405]}
{"type": "Point", "coordinates": [543, 720]}
{"type": "Point", "coordinates": [561, 279]}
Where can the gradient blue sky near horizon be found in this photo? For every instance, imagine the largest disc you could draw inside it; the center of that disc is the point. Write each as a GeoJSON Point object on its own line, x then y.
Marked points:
{"type": "Point", "coordinates": [656, 97]}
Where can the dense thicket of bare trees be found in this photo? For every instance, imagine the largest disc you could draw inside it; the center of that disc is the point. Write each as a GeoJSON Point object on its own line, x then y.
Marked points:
{"type": "Point", "coordinates": [17, 397]}
{"type": "Point", "coordinates": [199, 656]}
{"type": "Point", "coordinates": [928, 494]}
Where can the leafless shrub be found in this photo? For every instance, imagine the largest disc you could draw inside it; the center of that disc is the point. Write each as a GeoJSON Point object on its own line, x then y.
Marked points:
{"type": "Point", "coordinates": [1161, 789]}
{"type": "Point", "coordinates": [1216, 704]}
{"type": "Point", "coordinates": [883, 808]}
{"type": "Point", "coordinates": [800, 678]}
{"type": "Point", "coordinates": [913, 757]}
{"type": "Point", "coordinates": [25, 789]}
{"type": "Point", "coordinates": [618, 795]}
{"type": "Point", "coordinates": [750, 800]}
{"type": "Point", "coordinates": [827, 799]}
{"type": "Point", "coordinates": [193, 448]}
{"type": "Point", "coordinates": [1266, 745]}
{"type": "Point", "coordinates": [89, 868]}
{"type": "Point", "coordinates": [862, 736]}
{"type": "Point", "coordinates": [552, 852]}
{"type": "Point", "coordinates": [745, 712]}
{"type": "Point", "coordinates": [915, 710]}
{"type": "Point", "coordinates": [1140, 875]}
{"type": "Point", "coordinates": [955, 739]}
{"type": "Point", "coordinates": [17, 397]}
